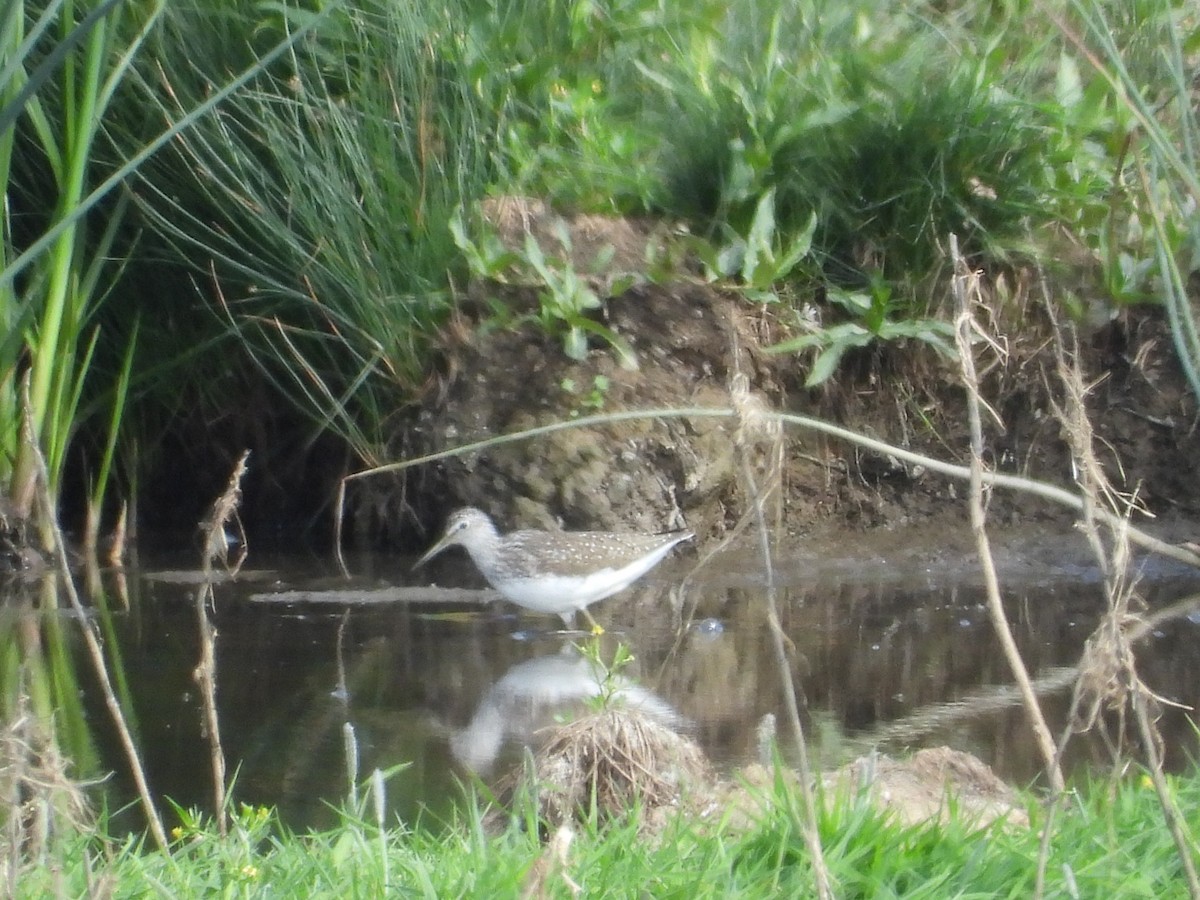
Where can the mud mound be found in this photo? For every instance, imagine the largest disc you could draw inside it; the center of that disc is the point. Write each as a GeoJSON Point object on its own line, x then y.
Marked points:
{"type": "Point", "coordinates": [691, 339]}
{"type": "Point", "coordinates": [926, 785]}
{"type": "Point", "coordinates": [608, 763]}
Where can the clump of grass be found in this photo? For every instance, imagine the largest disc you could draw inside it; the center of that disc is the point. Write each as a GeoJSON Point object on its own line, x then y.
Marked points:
{"type": "Point", "coordinates": [892, 133]}
{"type": "Point", "coordinates": [320, 200]}
{"type": "Point", "coordinates": [604, 763]}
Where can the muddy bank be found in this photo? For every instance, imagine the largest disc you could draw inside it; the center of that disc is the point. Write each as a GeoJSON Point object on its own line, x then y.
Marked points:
{"type": "Point", "coordinates": [691, 339]}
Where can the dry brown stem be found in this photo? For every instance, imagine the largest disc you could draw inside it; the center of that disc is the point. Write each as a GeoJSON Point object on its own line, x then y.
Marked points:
{"type": "Point", "coordinates": [87, 625]}
{"type": "Point", "coordinates": [966, 292]}
{"type": "Point", "coordinates": [222, 513]}
{"type": "Point", "coordinates": [38, 795]}
{"type": "Point", "coordinates": [216, 549]}
{"type": "Point", "coordinates": [551, 868]}
{"type": "Point", "coordinates": [1108, 680]}
{"type": "Point", "coordinates": [752, 428]}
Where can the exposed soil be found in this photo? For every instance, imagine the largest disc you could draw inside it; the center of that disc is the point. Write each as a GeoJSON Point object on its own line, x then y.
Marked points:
{"type": "Point", "coordinates": [609, 762]}
{"type": "Point", "coordinates": [690, 340]}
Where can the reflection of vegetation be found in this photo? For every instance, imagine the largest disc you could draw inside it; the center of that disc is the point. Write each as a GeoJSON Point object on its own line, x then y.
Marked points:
{"type": "Point", "coordinates": [38, 665]}
{"type": "Point", "coordinates": [47, 746]}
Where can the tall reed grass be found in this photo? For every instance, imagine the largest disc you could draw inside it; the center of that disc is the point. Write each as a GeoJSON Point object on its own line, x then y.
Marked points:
{"type": "Point", "coordinates": [62, 69]}
{"type": "Point", "coordinates": [317, 207]}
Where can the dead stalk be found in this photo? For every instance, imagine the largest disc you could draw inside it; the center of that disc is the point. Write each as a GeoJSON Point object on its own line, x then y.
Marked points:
{"type": "Point", "coordinates": [1108, 678]}
{"type": "Point", "coordinates": [1184, 842]}
{"type": "Point", "coordinates": [87, 623]}
{"type": "Point", "coordinates": [752, 428]}
{"type": "Point", "coordinates": [965, 289]}
{"type": "Point", "coordinates": [40, 798]}
{"type": "Point", "coordinates": [216, 549]}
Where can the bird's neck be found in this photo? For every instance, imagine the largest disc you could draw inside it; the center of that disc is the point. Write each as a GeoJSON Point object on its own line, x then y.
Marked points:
{"type": "Point", "coordinates": [484, 547]}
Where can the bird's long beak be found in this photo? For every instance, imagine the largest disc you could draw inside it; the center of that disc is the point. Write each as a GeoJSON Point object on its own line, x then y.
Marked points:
{"type": "Point", "coordinates": [442, 544]}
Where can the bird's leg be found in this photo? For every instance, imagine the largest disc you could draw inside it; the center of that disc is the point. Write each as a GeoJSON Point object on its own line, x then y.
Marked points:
{"type": "Point", "coordinates": [597, 628]}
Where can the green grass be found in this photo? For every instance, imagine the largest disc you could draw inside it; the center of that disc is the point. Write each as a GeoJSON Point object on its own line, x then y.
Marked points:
{"type": "Point", "coordinates": [1109, 842]}
{"type": "Point", "coordinates": [320, 200]}
{"type": "Point", "coordinates": [61, 71]}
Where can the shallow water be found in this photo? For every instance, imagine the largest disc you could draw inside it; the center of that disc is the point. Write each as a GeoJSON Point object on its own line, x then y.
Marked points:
{"type": "Point", "coordinates": [893, 649]}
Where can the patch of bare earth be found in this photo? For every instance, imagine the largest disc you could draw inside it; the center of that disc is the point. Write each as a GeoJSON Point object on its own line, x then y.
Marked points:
{"type": "Point", "coordinates": [608, 763]}
{"type": "Point", "coordinates": [691, 338]}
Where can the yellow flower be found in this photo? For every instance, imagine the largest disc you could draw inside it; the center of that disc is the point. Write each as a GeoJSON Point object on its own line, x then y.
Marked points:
{"type": "Point", "coordinates": [249, 871]}
{"type": "Point", "coordinates": [176, 832]}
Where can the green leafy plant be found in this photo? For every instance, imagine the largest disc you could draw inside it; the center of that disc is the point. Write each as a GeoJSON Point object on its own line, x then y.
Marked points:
{"type": "Point", "coordinates": [486, 255]}
{"type": "Point", "coordinates": [1147, 74]}
{"type": "Point", "coordinates": [894, 134]}
{"type": "Point", "coordinates": [565, 299]}
{"type": "Point", "coordinates": [762, 259]}
{"type": "Point", "coordinates": [592, 401]}
{"type": "Point", "coordinates": [583, 152]}
{"type": "Point", "coordinates": [873, 321]}
{"type": "Point", "coordinates": [609, 673]}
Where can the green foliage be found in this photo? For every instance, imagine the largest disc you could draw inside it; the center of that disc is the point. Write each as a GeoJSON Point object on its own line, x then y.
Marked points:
{"type": "Point", "coordinates": [315, 203]}
{"type": "Point", "coordinates": [562, 76]}
{"type": "Point", "coordinates": [565, 301]}
{"type": "Point", "coordinates": [891, 130]}
{"type": "Point", "coordinates": [1144, 60]}
{"type": "Point", "coordinates": [64, 92]}
{"type": "Point", "coordinates": [486, 255]}
{"type": "Point", "coordinates": [56, 88]}
{"type": "Point", "coordinates": [322, 198]}
{"type": "Point", "coordinates": [761, 260]}
{"type": "Point", "coordinates": [565, 297]}
{"type": "Point", "coordinates": [873, 321]}
{"type": "Point", "coordinates": [592, 401]}
{"type": "Point", "coordinates": [609, 672]}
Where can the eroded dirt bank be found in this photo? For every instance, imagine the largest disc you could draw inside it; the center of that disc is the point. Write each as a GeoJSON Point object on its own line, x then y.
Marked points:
{"type": "Point", "coordinates": [691, 340]}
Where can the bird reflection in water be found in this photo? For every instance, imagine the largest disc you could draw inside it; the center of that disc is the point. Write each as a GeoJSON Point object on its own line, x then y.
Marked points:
{"type": "Point", "coordinates": [531, 694]}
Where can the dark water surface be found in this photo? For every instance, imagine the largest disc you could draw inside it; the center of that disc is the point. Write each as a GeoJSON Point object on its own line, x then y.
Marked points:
{"type": "Point", "coordinates": [893, 649]}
